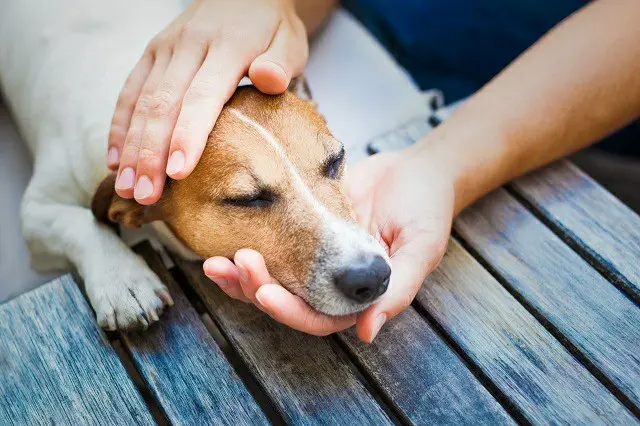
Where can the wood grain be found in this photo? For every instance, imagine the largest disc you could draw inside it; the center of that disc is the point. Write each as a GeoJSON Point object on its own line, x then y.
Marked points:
{"type": "Point", "coordinates": [305, 376]}
{"type": "Point", "coordinates": [183, 366]}
{"type": "Point", "coordinates": [56, 366]}
{"type": "Point", "coordinates": [424, 378]}
{"type": "Point", "coordinates": [592, 314]}
{"type": "Point", "coordinates": [591, 218]}
{"type": "Point", "coordinates": [522, 359]}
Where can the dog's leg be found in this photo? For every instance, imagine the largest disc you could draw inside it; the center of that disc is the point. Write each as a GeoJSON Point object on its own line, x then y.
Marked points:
{"type": "Point", "coordinates": [123, 291]}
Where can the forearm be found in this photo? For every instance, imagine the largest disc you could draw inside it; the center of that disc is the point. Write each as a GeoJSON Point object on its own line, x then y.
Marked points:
{"type": "Point", "coordinates": [314, 13]}
{"type": "Point", "coordinates": [575, 86]}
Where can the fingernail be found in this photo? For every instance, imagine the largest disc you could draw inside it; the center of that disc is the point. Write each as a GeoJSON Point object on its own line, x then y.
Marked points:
{"type": "Point", "coordinates": [176, 162]}
{"type": "Point", "coordinates": [144, 188]}
{"type": "Point", "coordinates": [221, 282]}
{"type": "Point", "coordinates": [112, 155]}
{"type": "Point", "coordinates": [126, 179]}
{"type": "Point", "coordinates": [260, 298]}
{"type": "Point", "coordinates": [377, 325]}
{"type": "Point", "coordinates": [244, 275]}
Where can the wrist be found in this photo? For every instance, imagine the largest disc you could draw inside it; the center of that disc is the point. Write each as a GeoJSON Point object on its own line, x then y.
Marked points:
{"type": "Point", "coordinates": [473, 164]}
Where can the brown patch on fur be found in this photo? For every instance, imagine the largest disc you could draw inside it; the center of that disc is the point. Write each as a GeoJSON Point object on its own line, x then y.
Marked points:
{"type": "Point", "coordinates": [239, 161]}
{"type": "Point", "coordinates": [110, 209]}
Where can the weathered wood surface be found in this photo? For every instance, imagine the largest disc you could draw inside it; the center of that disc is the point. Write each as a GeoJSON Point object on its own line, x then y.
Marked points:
{"type": "Point", "coordinates": [590, 217]}
{"type": "Point", "coordinates": [425, 380]}
{"type": "Point", "coordinates": [591, 313]}
{"type": "Point", "coordinates": [305, 377]}
{"type": "Point", "coordinates": [530, 367]}
{"type": "Point", "coordinates": [183, 366]}
{"type": "Point", "coordinates": [56, 366]}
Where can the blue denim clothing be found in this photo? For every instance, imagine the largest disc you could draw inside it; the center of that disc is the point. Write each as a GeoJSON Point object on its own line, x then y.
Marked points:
{"type": "Point", "coordinates": [459, 45]}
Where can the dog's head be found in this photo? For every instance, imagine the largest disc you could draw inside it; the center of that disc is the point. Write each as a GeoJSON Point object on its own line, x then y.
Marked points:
{"type": "Point", "coordinates": [270, 179]}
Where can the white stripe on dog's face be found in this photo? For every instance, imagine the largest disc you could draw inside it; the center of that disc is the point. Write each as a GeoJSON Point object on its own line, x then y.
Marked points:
{"type": "Point", "coordinates": [341, 242]}
{"type": "Point", "coordinates": [295, 176]}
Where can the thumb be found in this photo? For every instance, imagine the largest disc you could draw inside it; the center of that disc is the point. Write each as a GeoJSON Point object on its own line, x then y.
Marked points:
{"type": "Point", "coordinates": [410, 265]}
{"type": "Point", "coordinates": [285, 58]}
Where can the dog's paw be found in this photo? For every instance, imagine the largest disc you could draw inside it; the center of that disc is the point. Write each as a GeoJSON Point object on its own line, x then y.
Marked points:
{"type": "Point", "coordinates": [128, 298]}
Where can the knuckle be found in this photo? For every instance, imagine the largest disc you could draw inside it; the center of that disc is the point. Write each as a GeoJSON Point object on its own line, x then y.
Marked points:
{"type": "Point", "coordinates": [147, 154]}
{"type": "Point", "coordinates": [230, 36]}
{"type": "Point", "coordinates": [129, 153]}
{"type": "Point", "coordinates": [142, 105]}
{"type": "Point", "coordinates": [194, 33]}
{"type": "Point", "coordinates": [201, 88]}
{"type": "Point", "coordinates": [162, 103]}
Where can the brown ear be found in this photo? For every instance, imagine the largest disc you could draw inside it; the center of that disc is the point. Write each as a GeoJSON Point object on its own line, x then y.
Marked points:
{"type": "Point", "coordinates": [300, 88]}
{"type": "Point", "coordinates": [108, 207]}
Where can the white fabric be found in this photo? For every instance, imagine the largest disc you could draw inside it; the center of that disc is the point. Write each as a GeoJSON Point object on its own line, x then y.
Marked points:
{"type": "Point", "coordinates": [358, 86]}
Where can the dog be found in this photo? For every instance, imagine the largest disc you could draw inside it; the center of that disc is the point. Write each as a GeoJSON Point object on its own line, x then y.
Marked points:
{"type": "Point", "coordinates": [270, 177]}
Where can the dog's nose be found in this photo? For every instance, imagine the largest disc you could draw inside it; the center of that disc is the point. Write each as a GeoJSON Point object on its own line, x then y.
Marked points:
{"type": "Point", "coordinates": [364, 280]}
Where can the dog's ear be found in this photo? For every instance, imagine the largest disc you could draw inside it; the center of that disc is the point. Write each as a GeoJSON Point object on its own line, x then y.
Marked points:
{"type": "Point", "coordinates": [300, 88]}
{"type": "Point", "coordinates": [109, 208]}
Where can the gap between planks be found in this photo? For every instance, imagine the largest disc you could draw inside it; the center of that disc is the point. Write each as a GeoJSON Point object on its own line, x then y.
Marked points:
{"type": "Point", "coordinates": [234, 359]}
{"type": "Point", "coordinates": [114, 340]}
{"type": "Point", "coordinates": [506, 402]}
{"type": "Point", "coordinates": [618, 280]}
{"type": "Point", "coordinates": [244, 372]}
{"type": "Point", "coordinates": [502, 399]}
{"type": "Point", "coordinates": [551, 328]}
{"type": "Point", "coordinates": [153, 405]}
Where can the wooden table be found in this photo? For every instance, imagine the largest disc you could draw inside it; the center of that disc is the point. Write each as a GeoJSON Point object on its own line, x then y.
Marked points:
{"type": "Point", "coordinates": [532, 317]}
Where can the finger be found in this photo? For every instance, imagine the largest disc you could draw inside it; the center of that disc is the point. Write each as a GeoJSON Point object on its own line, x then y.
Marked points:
{"type": "Point", "coordinates": [161, 119]}
{"type": "Point", "coordinates": [252, 273]}
{"type": "Point", "coordinates": [409, 267]}
{"type": "Point", "coordinates": [211, 88]}
{"type": "Point", "coordinates": [224, 273]}
{"type": "Point", "coordinates": [124, 109]}
{"type": "Point", "coordinates": [285, 58]}
{"type": "Point", "coordinates": [129, 157]}
{"type": "Point", "coordinates": [294, 312]}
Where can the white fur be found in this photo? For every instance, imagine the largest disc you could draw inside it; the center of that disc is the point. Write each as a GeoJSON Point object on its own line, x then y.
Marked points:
{"type": "Point", "coordinates": [342, 242]}
{"type": "Point", "coordinates": [62, 65]}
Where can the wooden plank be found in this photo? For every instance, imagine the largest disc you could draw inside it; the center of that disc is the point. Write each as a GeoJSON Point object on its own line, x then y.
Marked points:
{"type": "Point", "coordinates": [305, 376]}
{"type": "Point", "coordinates": [425, 380]}
{"type": "Point", "coordinates": [592, 219]}
{"type": "Point", "coordinates": [514, 350]}
{"type": "Point", "coordinates": [184, 367]}
{"type": "Point", "coordinates": [56, 366]}
{"type": "Point", "coordinates": [594, 316]}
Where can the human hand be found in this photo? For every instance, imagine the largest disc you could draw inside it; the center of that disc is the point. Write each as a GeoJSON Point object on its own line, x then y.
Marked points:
{"type": "Point", "coordinates": [172, 98]}
{"type": "Point", "coordinates": [405, 202]}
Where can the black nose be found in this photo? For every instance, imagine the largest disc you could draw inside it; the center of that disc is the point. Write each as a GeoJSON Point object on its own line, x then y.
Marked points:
{"type": "Point", "coordinates": [364, 280]}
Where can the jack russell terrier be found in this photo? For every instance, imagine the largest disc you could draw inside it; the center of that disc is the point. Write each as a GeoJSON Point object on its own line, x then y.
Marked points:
{"type": "Point", "coordinates": [269, 178]}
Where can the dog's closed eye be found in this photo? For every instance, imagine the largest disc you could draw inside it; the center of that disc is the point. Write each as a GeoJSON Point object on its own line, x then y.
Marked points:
{"type": "Point", "coordinates": [261, 199]}
{"type": "Point", "coordinates": [333, 165]}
